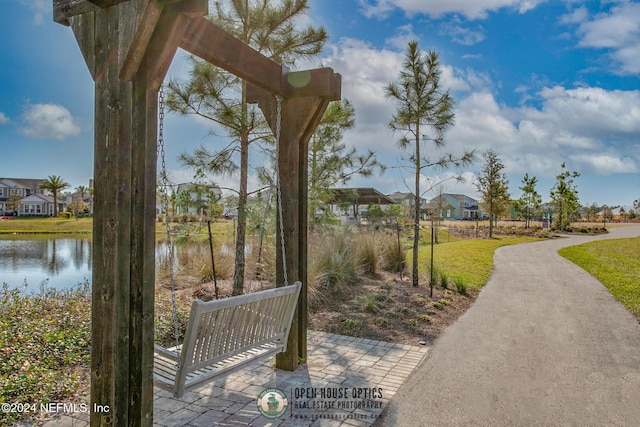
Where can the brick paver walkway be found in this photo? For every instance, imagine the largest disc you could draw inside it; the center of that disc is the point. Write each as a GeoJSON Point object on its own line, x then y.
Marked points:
{"type": "Point", "coordinates": [320, 393]}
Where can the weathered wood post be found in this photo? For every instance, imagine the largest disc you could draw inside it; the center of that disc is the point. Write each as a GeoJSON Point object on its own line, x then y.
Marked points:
{"type": "Point", "coordinates": [301, 112]}
{"type": "Point", "coordinates": [128, 46]}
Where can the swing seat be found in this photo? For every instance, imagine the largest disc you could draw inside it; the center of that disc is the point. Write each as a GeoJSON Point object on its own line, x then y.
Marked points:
{"type": "Point", "coordinates": [223, 336]}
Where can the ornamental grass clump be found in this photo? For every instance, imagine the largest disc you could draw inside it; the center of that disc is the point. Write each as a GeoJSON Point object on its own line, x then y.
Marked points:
{"type": "Point", "coordinates": [393, 258]}
{"type": "Point", "coordinates": [334, 265]}
{"type": "Point", "coordinates": [367, 253]}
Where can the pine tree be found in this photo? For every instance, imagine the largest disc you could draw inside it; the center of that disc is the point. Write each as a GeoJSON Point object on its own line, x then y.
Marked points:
{"type": "Point", "coordinates": [269, 27]}
{"type": "Point", "coordinates": [424, 112]}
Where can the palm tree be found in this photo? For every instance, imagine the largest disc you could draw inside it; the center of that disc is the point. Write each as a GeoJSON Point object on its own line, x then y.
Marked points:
{"type": "Point", "coordinates": [82, 190]}
{"type": "Point", "coordinates": [54, 184]}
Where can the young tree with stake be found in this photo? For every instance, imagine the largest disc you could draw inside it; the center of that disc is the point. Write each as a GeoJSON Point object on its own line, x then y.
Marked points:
{"type": "Point", "coordinates": [493, 186]}
{"type": "Point", "coordinates": [424, 112]}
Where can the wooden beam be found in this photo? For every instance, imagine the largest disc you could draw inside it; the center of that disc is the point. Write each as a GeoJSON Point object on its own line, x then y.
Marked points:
{"type": "Point", "coordinates": [322, 82]}
{"type": "Point", "coordinates": [216, 46]}
{"type": "Point", "coordinates": [158, 36]}
{"type": "Point", "coordinates": [141, 40]}
{"type": "Point", "coordinates": [211, 43]}
{"type": "Point", "coordinates": [122, 274]}
{"type": "Point", "coordinates": [63, 10]}
{"type": "Point", "coordinates": [107, 3]}
{"type": "Point", "coordinates": [300, 117]}
{"type": "Point", "coordinates": [83, 27]}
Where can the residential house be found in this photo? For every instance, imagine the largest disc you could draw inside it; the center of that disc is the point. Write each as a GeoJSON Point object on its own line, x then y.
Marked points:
{"type": "Point", "coordinates": [41, 204]}
{"type": "Point", "coordinates": [407, 201]}
{"type": "Point", "coordinates": [20, 196]}
{"type": "Point", "coordinates": [454, 206]}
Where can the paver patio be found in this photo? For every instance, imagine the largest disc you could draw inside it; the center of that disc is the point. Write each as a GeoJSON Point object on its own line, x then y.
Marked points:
{"type": "Point", "coordinates": [337, 364]}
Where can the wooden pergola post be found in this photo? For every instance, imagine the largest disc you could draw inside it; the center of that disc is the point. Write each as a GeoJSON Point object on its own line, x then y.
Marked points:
{"type": "Point", "coordinates": [128, 46]}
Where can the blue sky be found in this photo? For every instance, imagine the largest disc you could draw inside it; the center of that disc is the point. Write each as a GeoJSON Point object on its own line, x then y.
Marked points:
{"type": "Point", "coordinates": [540, 82]}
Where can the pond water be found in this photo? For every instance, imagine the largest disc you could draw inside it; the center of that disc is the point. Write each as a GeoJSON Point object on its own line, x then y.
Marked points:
{"type": "Point", "coordinates": [33, 262]}
{"type": "Point", "coordinates": [37, 261]}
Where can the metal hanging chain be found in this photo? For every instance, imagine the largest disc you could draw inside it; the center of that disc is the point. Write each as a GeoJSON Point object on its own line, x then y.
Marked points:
{"type": "Point", "coordinates": [260, 238]}
{"type": "Point", "coordinates": [165, 199]}
{"type": "Point", "coordinates": [278, 188]}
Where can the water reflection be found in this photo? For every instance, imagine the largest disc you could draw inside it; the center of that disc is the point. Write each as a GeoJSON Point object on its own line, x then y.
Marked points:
{"type": "Point", "coordinates": [64, 262]}
{"type": "Point", "coordinates": [59, 262]}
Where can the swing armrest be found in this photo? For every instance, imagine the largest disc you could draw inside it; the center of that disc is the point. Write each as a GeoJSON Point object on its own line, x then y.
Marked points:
{"type": "Point", "coordinates": [166, 352]}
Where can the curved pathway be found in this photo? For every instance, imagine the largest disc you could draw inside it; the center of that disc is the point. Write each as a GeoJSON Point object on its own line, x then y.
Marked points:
{"type": "Point", "coordinates": [545, 344]}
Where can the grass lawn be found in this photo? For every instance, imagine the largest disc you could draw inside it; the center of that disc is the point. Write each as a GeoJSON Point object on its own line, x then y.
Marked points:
{"type": "Point", "coordinates": [46, 225]}
{"type": "Point", "coordinates": [470, 261]}
{"type": "Point", "coordinates": [85, 225]}
{"type": "Point", "coordinates": [616, 264]}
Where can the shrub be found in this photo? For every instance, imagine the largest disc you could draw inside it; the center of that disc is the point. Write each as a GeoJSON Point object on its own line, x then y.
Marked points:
{"type": "Point", "coordinates": [437, 305]}
{"type": "Point", "coordinates": [192, 263]}
{"type": "Point", "coordinates": [380, 321]}
{"type": "Point", "coordinates": [406, 310]}
{"type": "Point", "coordinates": [43, 339]}
{"type": "Point", "coordinates": [444, 280]}
{"type": "Point", "coordinates": [461, 286]}
{"type": "Point", "coordinates": [425, 318]}
{"type": "Point", "coordinates": [164, 321]}
{"type": "Point", "coordinates": [349, 326]}
{"type": "Point", "coordinates": [386, 286]}
{"type": "Point", "coordinates": [370, 303]}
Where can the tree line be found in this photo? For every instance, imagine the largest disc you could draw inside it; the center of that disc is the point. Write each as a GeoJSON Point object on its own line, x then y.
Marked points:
{"type": "Point", "coordinates": [424, 111]}
{"type": "Point", "coordinates": [493, 185]}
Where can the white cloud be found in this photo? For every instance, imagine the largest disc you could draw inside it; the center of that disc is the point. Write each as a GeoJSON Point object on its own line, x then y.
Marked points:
{"type": "Point", "coordinates": [49, 121]}
{"type": "Point", "coordinates": [617, 31]}
{"type": "Point", "coordinates": [575, 125]}
{"type": "Point", "coordinates": [450, 182]}
{"type": "Point", "coordinates": [578, 16]}
{"type": "Point", "coordinates": [42, 9]}
{"type": "Point", "coordinates": [460, 34]}
{"type": "Point", "coordinates": [476, 9]}
{"type": "Point", "coordinates": [378, 9]}
{"type": "Point", "coordinates": [593, 112]}
{"type": "Point", "coordinates": [404, 35]}
{"type": "Point", "coordinates": [604, 164]}
{"type": "Point", "coordinates": [3, 119]}
{"type": "Point", "coordinates": [365, 73]}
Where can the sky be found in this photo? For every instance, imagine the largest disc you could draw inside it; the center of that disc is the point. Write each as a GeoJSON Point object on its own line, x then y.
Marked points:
{"type": "Point", "coordinates": [541, 82]}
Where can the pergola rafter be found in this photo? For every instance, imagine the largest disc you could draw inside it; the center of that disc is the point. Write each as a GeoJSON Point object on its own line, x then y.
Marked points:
{"type": "Point", "coordinates": [128, 46]}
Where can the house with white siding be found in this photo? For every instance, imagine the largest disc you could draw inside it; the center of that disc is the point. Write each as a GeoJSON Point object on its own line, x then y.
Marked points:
{"type": "Point", "coordinates": [23, 196]}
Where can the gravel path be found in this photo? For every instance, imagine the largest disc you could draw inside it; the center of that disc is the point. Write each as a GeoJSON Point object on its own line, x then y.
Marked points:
{"type": "Point", "coordinates": [545, 344]}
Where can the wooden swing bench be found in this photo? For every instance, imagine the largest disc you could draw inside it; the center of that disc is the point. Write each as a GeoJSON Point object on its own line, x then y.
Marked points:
{"type": "Point", "coordinates": [223, 336]}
